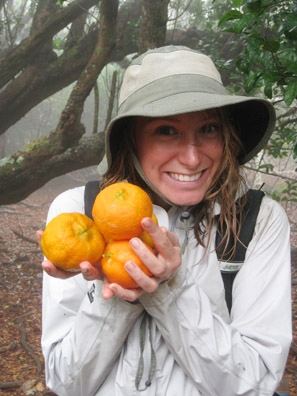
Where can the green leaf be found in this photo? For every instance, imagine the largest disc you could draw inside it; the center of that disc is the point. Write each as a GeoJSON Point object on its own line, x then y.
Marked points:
{"type": "Point", "coordinates": [230, 15]}
{"type": "Point", "coordinates": [57, 42]}
{"type": "Point", "coordinates": [255, 6]}
{"type": "Point", "coordinates": [288, 58]}
{"type": "Point", "coordinates": [244, 23]}
{"type": "Point", "coordinates": [271, 76]}
{"type": "Point", "coordinates": [290, 92]}
{"type": "Point", "coordinates": [266, 3]}
{"type": "Point", "coordinates": [268, 91]}
{"type": "Point", "coordinates": [290, 26]}
{"type": "Point", "coordinates": [237, 3]}
{"type": "Point", "coordinates": [295, 151]}
{"type": "Point", "coordinates": [271, 45]}
{"type": "Point", "coordinates": [266, 167]}
{"type": "Point", "coordinates": [251, 81]}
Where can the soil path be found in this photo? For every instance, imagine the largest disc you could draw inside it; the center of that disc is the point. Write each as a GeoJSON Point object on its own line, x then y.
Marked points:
{"type": "Point", "coordinates": [21, 361]}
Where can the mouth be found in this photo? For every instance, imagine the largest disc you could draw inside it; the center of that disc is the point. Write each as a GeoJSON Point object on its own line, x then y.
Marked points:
{"type": "Point", "coordinates": [185, 178]}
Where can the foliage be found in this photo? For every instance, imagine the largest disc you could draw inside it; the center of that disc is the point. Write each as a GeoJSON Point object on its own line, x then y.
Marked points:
{"type": "Point", "coordinates": [268, 63]}
{"type": "Point", "coordinates": [270, 56]}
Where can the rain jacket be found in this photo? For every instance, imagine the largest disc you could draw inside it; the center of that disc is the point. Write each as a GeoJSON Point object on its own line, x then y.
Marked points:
{"type": "Point", "coordinates": [180, 340]}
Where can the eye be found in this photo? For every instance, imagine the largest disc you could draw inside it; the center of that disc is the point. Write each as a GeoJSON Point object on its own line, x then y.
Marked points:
{"type": "Point", "coordinates": [212, 128]}
{"type": "Point", "coordinates": [165, 131]}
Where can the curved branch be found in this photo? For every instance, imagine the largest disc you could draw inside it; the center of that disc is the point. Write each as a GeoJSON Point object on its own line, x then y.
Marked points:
{"type": "Point", "coordinates": [18, 185]}
{"type": "Point", "coordinates": [25, 52]}
{"type": "Point", "coordinates": [37, 83]}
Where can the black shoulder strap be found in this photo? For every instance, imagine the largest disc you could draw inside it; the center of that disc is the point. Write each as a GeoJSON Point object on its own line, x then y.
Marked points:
{"type": "Point", "coordinates": [249, 217]}
{"type": "Point", "coordinates": [92, 188]}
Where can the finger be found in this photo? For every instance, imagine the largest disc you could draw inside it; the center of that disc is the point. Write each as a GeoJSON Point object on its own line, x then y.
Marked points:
{"type": "Point", "coordinates": [164, 241]}
{"type": "Point", "coordinates": [168, 257]}
{"type": "Point", "coordinates": [90, 272]}
{"type": "Point", "coordinates": [130, 295]}
{"type": "Point", "coordinates": [171, 236]}
{"type": "Point", "coordinates": [39, 234]}
{"type": "Point", "coordinates": [107, 292]}
{"type": "Point", "coordinates": [159, 268]}
{"type": "Point", "coordinates": [55, 272]}
{"type": "Point", "coordinates": [146, 283]}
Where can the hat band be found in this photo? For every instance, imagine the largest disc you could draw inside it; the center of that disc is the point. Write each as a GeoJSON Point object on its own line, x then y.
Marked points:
{"type": "Point", "coordinates": [166, 88]}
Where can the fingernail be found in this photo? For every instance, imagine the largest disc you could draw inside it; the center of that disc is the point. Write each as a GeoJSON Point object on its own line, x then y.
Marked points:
{"type": "Point", "coordinates": [134, 242]}
{"type": "Point", "coordinates": [146, 222]}
{"type": "Point", "coordinates": [113, 288]}
{"type": "Point", "coordinates": [129, 266]}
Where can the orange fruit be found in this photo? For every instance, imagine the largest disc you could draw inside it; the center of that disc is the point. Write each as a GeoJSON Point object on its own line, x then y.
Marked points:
{"type": "Point", "coordinates": [118, 210]}
{"type": "Point", "coordinates": [115, 255]}
{"type": "Point", "coordinates": [69, 239]}
{"type": "Point", "coordinates": [145, 237]}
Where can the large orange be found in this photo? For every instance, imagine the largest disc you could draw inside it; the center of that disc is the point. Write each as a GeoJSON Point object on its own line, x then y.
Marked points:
{"type": "Point", "coordinates": [115, 255]}
{"type": "Point", "coordinates": [118, 210]}
{"type": "Point", "coordinates": [71, 238]}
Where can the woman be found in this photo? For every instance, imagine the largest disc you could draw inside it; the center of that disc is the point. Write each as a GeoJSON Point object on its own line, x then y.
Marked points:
{"type": "Point", "coordinates": [183, 138]}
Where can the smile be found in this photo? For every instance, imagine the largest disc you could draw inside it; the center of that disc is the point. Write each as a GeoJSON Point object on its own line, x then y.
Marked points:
{"type": "Point", "coordinates": [185, 178]}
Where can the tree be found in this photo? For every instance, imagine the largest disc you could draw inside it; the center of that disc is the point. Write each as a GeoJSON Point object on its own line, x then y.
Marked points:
{"type": "Point", "coordinates": [32, 71]}
{"type": "Point", "coordinates": [69, 43]}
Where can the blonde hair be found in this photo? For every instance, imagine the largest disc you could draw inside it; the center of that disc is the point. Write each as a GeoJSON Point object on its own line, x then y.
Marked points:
{"type": "Point", "coordinates": [223, 190]}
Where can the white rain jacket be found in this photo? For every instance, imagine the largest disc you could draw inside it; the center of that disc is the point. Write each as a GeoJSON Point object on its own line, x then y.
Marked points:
{"type": "Point", "coordinates": [190, 346]}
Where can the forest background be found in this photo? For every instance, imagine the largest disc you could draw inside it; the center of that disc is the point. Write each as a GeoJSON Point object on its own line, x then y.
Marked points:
{"type": "Point", "coordinates": [61, 67]}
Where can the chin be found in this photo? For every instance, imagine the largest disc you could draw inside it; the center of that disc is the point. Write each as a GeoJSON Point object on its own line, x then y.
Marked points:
{"type": "Point", "coordinates": [185, 202]}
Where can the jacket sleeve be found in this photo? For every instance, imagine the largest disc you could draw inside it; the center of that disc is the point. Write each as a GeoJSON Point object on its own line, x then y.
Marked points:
{"type": "Point", "coordinates": [248, 355]}
{"type": "Point", "coordinates": [82, 334]}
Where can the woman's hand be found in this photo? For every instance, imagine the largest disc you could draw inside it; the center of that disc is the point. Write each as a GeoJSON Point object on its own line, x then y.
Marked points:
{"type": "Point", "coordinates": [162, 265]}
{"type": "Point", "coordinates": [90, 272]}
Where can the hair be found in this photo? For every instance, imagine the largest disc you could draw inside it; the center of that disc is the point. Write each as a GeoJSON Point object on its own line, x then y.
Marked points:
{"type": "Point", "coordinates": [224, 189]}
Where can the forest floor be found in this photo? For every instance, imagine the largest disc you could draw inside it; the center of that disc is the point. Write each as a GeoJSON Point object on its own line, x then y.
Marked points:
{"type": "Point", "coordinates": [21, 361]}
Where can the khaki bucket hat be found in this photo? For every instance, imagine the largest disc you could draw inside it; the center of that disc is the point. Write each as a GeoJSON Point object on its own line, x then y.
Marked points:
{"type": "Point", "coordinates": [175, 80]}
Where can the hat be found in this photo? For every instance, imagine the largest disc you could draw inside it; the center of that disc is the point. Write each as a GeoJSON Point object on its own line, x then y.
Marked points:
{"type": "Point", "coordinates": [175, 80]}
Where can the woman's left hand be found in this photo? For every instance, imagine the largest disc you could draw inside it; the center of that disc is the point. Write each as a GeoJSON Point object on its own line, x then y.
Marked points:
{"type": "Point", "coordinates": [162, 265]}
{"type": "Point", "coordinates": [89, 271]}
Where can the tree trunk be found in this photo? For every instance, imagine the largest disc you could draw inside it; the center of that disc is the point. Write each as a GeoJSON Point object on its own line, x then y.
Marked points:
{"type": "Point", "coordinates": [153, 26]}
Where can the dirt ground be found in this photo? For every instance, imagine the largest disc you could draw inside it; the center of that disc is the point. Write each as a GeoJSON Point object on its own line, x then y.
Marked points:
{"type": "Point", "coordinates": [21, 361]}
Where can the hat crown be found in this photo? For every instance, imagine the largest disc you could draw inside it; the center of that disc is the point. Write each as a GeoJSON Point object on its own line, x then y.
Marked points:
{"type": "Point", "coordinates": [158, 64]}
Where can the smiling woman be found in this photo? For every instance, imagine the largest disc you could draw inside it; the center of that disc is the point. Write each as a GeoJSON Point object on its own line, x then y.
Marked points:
{"type": "Point", "coordinates": [180, 155]}
{"type": "Point", "coordinates": [181, 137]}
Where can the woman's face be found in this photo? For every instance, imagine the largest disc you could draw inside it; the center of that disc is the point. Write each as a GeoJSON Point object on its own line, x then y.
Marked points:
{"type": "Point", "coordinates": [180, 154]}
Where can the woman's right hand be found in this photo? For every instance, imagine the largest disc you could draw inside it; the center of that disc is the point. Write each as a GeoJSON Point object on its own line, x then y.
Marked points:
{"type": "Point", "coordinates": [162, 265]}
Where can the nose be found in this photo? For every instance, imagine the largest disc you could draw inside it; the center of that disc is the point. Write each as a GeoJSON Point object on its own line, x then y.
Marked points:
{"type": "Point", "coordinates": [189, 153]}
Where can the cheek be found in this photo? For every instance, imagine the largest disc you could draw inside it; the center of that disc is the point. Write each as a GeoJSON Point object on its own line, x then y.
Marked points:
{"type": "Point", "coordinates": [149, 153]}
{"type": "Point", "coordinates": [215, 152]}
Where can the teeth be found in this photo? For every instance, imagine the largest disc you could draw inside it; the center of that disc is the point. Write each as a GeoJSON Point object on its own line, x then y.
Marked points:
{"type": "Point", "coordinates": [185, 178]}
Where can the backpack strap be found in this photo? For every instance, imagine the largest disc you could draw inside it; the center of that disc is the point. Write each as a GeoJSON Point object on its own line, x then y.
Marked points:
{"type": "Point", "coordinates": [92, 188]}
{"type": "Point", "coordinates": [249, 217]}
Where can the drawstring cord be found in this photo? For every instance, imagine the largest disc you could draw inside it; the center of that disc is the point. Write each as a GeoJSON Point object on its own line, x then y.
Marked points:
{"type": "Point", "coordinates": [145, 323]}
{"type": "Point", "coordinates": [185, 216]}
